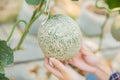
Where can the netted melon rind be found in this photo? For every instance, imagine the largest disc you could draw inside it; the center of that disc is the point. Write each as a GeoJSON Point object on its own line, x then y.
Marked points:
{"type": "Point", "coordinates": [60, 37]}
{"type": "Point", "coordinates": [115, 29]}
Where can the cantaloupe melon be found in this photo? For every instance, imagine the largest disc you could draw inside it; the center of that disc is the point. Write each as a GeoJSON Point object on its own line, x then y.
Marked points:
{"type": "Point", "coordinates": [115, 30]}
{"type": "Point", "coordinates": [60, 37]}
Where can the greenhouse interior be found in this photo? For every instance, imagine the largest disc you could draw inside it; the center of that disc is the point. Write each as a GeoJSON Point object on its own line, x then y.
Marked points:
{"type": "Point", "coordinates": [59, 40]}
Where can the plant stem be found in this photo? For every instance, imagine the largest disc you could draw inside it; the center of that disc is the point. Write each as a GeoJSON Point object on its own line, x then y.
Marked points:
{"type": "Point", "coordinates": [102, 7]}
{"type": "Point", "coordinates": [23, 36]}
{"type": "Point", "coordinates": [38, 9]}
{"type": "Point", "coordinates": [102, 32]}
{"type": "Point", "coordinates": [15, 25]}
{"type": "Point", "coordinates": [33, 18]}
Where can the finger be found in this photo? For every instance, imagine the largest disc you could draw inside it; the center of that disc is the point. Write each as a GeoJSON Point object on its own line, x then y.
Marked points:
{"type": "Point", "coordinates": [59, 65]}
{"type": "Point", "coordinates": [52, 69]}
{"type": "Point", "coordinates": [85, 51]}
{"type": "Point", "coordinates": [85, 67]}
{"type": "Point", "coordinates": [77, 55]}
{"type": "Point", "coordinates": [64, 62]}
{"type": "Point", "coordinates": [89, 57]}
{"type": "Point", "coordinates": [92, 60]}
{"type": "Point", "coordinates": [70, 61]}
{"type": "Point", "coordinates": [82, 65]}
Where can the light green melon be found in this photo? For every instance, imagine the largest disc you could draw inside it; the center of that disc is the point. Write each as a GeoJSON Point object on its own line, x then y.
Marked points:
{"type": "Point", "coordinates": [115, 29]}
{"type": "Point", "coordinates": [60, 37]}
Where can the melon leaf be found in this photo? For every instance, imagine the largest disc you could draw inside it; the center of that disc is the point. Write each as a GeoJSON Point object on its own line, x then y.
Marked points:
{"type": "Point", "coordinates": [2, 77]}
{"type": "Point", "coordinates": [6, 53]}
{"type": "Point", "coordinates": [113, 3]}
{"type": "Point", "coordinates": [33, 2]}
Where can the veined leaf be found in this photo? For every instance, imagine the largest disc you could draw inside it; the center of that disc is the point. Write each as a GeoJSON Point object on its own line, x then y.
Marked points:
{"type": "Point", "coordinates": [6, 54]}
{"type": "Point", "coordinates": [33, 2]}
{"type": "Point", "coordinates": [2, 77]}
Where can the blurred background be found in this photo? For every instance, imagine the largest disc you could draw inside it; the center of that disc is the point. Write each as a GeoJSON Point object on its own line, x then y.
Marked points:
{"type": "Point", "coordinates": [29, 62]}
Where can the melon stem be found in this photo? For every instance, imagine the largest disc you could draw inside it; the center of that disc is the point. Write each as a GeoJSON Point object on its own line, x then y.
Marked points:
{"type": "Point", "coordinates": [102, 33]}
{"type": "Point", "coordinates": [13, 29]}
{"type": "Point", "coordinates": [34, 17]}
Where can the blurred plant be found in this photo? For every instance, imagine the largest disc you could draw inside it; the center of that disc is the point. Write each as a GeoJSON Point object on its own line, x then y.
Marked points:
{"type": "Point", "coordinates": [66, 7]}
{"type": "Point", "coordinates": [9, 10]}
{"type": "Point", "coordinates": [110, 6]}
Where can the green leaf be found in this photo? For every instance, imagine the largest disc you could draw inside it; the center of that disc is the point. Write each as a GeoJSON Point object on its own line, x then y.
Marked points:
{"type": "Point", "coordinates": [113, 3]}
{"type": "Point", "coordinates": [33, 2]}
{"type": "Point", "coordinates": [1, 68]}
{"type": "Point", "coordinates": [6, 54]}
{"type": "Point", "coordinates": [2, 77]}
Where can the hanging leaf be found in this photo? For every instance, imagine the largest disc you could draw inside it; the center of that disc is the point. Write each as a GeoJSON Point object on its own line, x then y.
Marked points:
{"type": "Point", "coordinates": [2, 77]}
{"type": "Point", "coordinates": [6, 54]}
{"type": "Point", "coordinates": [1, 68]}
{"type": "Point", "coordinates": [113, 3]}
{"type": "Point", "coordinates": [33, 2]}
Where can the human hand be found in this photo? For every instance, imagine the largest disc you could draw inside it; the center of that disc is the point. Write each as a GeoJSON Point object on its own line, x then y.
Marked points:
{"type": "Point", "coordinates": [87, 61]}
{"type": "Point", "coordinates": [60, 70]}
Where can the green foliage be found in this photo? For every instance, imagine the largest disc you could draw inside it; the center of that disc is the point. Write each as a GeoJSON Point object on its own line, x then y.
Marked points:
{"type": "Point", "coordinates": [113, 3]}
{"type": "Point", "coordinates": [6, 58]}
{"type": "Point", "coordinates": [1, 68]}
{"type": "Point", "coordinates": [33, 2]}
{"type": "Point", "coordinates": [2, 77]}
{"type": "Point", "coordinates": [6, 54]}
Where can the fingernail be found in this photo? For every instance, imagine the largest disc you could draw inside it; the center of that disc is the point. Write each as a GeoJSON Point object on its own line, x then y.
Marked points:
{"type": "Point", "coordinates": [52, 59]}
